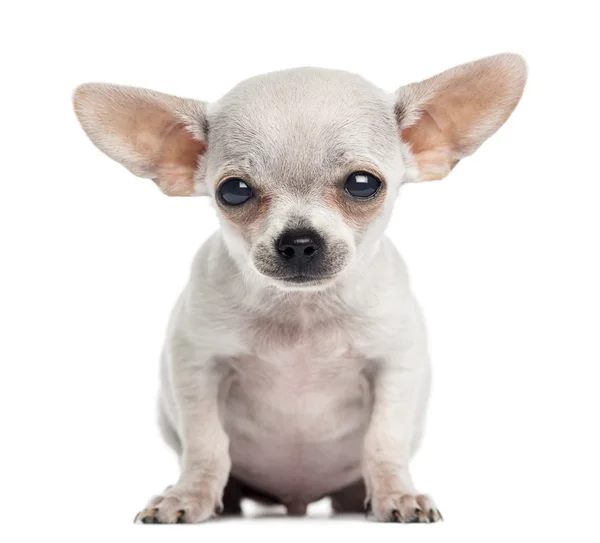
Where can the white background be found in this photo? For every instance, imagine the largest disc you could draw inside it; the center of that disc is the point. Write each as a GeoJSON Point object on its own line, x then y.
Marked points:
{"type": "Point", "coordinates": [503, 255]}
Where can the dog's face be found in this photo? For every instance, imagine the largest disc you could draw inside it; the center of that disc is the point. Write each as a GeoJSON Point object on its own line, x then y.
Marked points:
{"type": "Point", "coordinates": [303, 165]}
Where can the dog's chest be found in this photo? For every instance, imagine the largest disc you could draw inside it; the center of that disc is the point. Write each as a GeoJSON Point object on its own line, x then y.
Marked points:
{"type": "Point", "coordinates": [297, 408]}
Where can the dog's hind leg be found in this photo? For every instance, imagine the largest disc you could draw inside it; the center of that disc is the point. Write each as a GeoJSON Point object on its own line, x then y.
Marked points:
{"type": "Point", "coordinates": [350, 499]}
{"type": "Point", "coordinates": [232, 497]}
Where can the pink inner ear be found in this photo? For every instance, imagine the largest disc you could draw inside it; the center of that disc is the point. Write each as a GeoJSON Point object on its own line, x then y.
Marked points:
{"type": "Point", "coordinates": [145, 131]}
{"type": "Point", "coordinates": [431, 148]}
{"type": "Point", "coordinates": [177, 161]}
{"type": "Point", "coordinates": [459, 109]}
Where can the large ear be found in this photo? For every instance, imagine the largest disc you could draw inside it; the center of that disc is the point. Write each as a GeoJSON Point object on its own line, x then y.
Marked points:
{"type": "Point", "coordinates": [447, 117]}
{"type": "Point", "coordinates": [153, 135]}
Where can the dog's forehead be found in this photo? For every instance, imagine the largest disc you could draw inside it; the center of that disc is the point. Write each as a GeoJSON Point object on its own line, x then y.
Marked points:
{"type": "Point", "coordinates": [302, 118]}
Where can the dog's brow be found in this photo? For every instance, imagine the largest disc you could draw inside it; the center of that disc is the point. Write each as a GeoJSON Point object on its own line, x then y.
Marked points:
{"type": "Point", "coordinates": [348, 162]}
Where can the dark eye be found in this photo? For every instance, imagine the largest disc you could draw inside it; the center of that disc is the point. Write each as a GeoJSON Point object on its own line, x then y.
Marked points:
{"type": "Point", "coordinates": [362, 185]}
{"type": "Point", "coordinates": [234, 192]}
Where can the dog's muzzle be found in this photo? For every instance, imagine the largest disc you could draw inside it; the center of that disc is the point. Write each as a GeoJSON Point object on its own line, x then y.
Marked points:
{"type": "Point", "coordinates": [301, 255]}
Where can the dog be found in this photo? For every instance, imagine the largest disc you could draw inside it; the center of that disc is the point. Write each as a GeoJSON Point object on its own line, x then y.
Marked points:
{"type": "Point", "coordinates": [296, 364]}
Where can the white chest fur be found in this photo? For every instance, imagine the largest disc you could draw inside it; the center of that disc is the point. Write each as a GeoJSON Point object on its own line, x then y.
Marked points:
{"type": "Point", "coordinates": [297, 408]}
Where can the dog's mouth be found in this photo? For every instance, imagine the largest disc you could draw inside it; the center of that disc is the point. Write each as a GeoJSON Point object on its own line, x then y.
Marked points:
{"type": "Point", "coordinates": [305, 279]}
{"type": "Point", "coordinates": [302, 281]}
{"type": "Point", "coordinates": [299, 273]}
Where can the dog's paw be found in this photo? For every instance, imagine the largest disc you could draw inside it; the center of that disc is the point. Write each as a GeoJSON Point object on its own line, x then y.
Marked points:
{"type": "Point", "coordinates": [407, 508]}
{"type": "Point", "coordinates": [181, 506]}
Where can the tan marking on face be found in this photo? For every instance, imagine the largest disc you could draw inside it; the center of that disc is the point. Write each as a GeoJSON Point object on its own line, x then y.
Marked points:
{"type": "Point", "coordinates": [246, 217]}
{"type": "Point", "coordinates": [356, 212]}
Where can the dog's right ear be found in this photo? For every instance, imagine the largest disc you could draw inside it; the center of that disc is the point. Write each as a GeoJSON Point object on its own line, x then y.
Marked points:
{"type": "Point", "coordinates": [153, 135]}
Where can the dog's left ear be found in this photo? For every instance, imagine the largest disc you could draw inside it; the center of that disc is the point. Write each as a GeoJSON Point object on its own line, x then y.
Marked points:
{"type": "Point", "coordinates": [154, 135]}
{"type": "Point", "coordinates": [447, 117]}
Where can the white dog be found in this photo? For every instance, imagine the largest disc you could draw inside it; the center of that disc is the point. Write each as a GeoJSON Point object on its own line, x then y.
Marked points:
{"type": "Point", "coordinates": [296, 362]}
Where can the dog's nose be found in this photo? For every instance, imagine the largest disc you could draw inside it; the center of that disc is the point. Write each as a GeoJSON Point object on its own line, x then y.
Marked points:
{"type": "Point", "coordinates": [298, 247]}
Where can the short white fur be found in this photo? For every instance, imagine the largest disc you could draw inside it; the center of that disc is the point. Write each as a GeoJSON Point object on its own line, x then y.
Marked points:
{"type": "Point", "coordinates": [298, 391]}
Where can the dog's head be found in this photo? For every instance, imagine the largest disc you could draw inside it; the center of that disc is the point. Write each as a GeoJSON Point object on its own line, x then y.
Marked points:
{"type": "Point", "coordinates": [304, 165]}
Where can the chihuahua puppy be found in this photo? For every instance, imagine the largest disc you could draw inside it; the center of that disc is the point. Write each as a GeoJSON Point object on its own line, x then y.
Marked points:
{"type": "Point", "coordinates": [296, 365]}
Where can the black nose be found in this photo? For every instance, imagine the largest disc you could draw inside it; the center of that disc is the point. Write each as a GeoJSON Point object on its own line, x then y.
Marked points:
{"type": "Point", "coordinates": [299, 247]}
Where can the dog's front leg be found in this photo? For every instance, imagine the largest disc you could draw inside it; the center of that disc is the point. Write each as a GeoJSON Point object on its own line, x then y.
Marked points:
{"type": "Point", "coordinates": [399, 386]}
{"type": "Point", "coordinates": [195, 384]}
